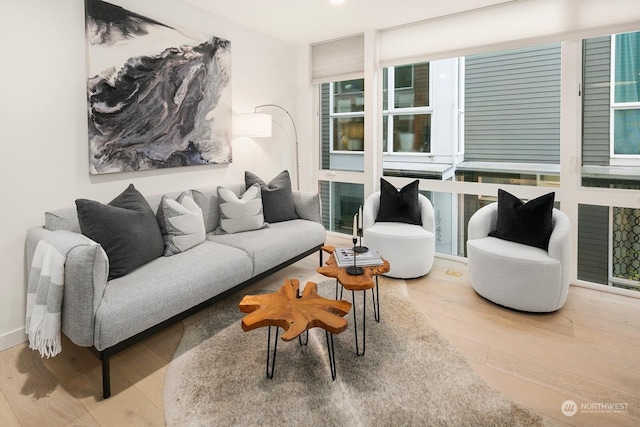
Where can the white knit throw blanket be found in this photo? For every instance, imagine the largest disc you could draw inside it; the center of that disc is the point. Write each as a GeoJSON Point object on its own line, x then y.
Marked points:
{"type": "Point", "coordinates": [45, 292]}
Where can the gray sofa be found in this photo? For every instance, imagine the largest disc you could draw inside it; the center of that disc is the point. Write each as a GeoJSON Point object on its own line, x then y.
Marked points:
{"type": "Point", "coordinates": [111, 315]}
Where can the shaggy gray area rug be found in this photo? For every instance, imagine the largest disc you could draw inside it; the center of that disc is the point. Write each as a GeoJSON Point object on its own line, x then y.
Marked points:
{"type": "Point", "coordinates": [409, 375]}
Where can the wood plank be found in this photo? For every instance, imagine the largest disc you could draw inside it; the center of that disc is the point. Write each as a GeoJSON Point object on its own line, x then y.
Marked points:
{"type": "Point", "coordinates": [7, 415]}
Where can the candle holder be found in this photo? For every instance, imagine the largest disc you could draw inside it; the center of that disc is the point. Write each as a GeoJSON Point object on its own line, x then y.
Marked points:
{"type": "Point", "coordinates": [360, 249]}
{"type": "Point", "coordinates": [354, 270]}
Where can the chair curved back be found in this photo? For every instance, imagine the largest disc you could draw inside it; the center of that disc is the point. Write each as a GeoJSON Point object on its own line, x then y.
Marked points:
{"type": "Point", "coordinates": [484, 220]}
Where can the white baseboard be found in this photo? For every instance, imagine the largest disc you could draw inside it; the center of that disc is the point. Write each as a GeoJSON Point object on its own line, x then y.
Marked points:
{"type": "Point", "coordinates": [12, 339]}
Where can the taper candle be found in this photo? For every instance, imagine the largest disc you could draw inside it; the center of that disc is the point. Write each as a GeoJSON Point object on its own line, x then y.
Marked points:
{"type": "Point", "coordinates": [355, 226]}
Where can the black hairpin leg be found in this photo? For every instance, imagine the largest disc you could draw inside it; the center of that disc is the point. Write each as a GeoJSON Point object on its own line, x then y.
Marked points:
{"type": "Point", "coordinates": [332, 355]}
{"type": "Point", "coordinates": [340, 289]}
{"type": "Point", "coordinates": [375, 294]}
{"type": "Point", "coordinates": [275, 347]}
{"type": "Point", "coordinates": [306, 338]}
{"type": "Point", "coordinates": [364, 322]}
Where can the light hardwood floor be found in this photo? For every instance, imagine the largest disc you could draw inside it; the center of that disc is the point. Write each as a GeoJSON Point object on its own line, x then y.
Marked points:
{"type": "Point", "coordinates": [588, 352]}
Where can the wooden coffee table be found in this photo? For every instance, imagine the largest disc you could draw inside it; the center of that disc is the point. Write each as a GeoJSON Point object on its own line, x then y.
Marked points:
{"type": "Point", "coordinates": [295, 313]}
{"type": "Point", "coordinates": [362, 282]}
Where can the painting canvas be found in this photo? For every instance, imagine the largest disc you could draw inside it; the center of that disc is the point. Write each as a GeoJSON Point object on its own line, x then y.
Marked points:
{"type": "Point", "coordinates": [158, 96]}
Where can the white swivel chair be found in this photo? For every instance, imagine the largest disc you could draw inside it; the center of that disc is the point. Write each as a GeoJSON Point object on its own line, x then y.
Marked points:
{"type": "Point", "coordinates": [515, 275]}
{"type": "Point", "coordinates": [409, 248]}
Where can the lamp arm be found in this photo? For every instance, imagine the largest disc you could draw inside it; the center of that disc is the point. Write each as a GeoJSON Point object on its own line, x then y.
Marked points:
{"type": "Point", "coordinates": [295, 131]}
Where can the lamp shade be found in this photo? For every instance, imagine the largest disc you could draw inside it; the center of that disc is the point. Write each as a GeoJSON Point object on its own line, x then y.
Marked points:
{"type": "Point", "coordinates": [255, 125]}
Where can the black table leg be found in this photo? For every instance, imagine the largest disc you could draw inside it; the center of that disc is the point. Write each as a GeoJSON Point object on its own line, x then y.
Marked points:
{"type": "Point", "coordinates": [339, 290]}
{"type": "Point", "coordinates": [364, 322]}
{"type": "Point", "coordinates": [375, 294]}
{"type": "Point", "coordinates": [332, 355]}
{"type": "Point", "coordinates": [275, 347]}
{"type": "Point", "coordinates": [306, 339]}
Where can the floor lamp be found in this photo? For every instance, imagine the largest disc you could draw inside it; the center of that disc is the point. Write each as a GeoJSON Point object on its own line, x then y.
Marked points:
{"type": "Point", "coordinates": [258, 125]}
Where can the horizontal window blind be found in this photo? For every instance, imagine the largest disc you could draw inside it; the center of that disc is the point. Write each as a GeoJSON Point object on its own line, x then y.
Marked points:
{"type": "Point", "coordinates": [337, 60]}
{"type": "Point", "coordinates": [504, 26]}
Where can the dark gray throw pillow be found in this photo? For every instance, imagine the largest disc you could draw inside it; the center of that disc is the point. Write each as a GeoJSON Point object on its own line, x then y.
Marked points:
{"type": "Point", "coordinates": [399, 205]}
{"type": "Point", "coordinates": [126, 228]}
{"type": "Point", "coordinates": [277, 196]}
{"type": "Point", "coordinates": [527, 223]}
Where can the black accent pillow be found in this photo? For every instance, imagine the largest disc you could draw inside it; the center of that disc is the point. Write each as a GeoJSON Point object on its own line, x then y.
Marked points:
{"type": "Point", "coordinates": [527, 223]}
{"type": "Point", "coordinates": [277, 196]}
{"type": "Point", "coordinates": [399, 205]}
{"type": "Point", "coordinates": [126, 228]}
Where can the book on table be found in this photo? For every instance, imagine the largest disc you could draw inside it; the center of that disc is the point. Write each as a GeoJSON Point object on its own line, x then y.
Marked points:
{"type": "Point", "coordinates": [344, 258]}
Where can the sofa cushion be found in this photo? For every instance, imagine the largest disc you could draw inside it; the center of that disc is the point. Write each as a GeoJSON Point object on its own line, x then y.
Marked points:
{"type": "Point", "coordinates": [527, 223]}
{"type": "Point", "coordinates": [277, 196]}
{"type": "Point", "coordinates": [238, 214]}
{"type": "Point", "coordinates": [269, 247]}
{"type": "Point", "coordinates": [181, 224]}
{"type": "Point", "coordinates": [399, 205]}
{"type": "Point", "coordinates": [166, 287]}
{"type": "Point", "coordinates": [126, 228]}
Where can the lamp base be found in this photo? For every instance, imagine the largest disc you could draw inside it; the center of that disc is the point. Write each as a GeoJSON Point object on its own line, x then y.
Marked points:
{"type": "Point", "coordinates": [361, 249]}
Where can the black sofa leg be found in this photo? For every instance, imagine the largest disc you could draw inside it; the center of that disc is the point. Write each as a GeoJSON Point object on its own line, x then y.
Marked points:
{"type": "Point", "coordinates": [320, 253]}
{"type": "Point", "coordinates": [106, 376]}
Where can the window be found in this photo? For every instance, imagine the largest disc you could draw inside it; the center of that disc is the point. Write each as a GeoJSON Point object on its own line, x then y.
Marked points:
{"type": "Point", "coordinates": [493, 119]}
{"type": "Point", "coordinates": [347, 115]}
{"type": "Point", "coordinates": [406, 109]}
{"type": "Point", "coordinates": [609, 246]}
{"type": "Point", "coordinates": [340, 201]}
{"type": "Point", "coordinates": [511, 122]}
{"type": "Point", "coordinates": [342, 125]}
{"type": "Point", "coordinates": [625, 106]}
{"type": "Point", "coordinates": [512, 114]}
{"type": "Point", "coordinates": [608, 250]}
{"type": "Point", "coordinates": [611, 111]}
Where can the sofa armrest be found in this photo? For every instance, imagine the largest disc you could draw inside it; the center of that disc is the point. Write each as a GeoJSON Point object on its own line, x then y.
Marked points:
{"type": "Point", "coordinates": [307, 205]}
{"type": "Point", "coordinates": [85, 277]}
{"type": "Point", "coordinates": [483, 221]}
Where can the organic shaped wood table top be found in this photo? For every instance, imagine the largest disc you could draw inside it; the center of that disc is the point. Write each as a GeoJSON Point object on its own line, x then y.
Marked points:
{"type": "Point", "coordinates": [351, 282]}
{"type": "Point", "coordinates": [293, 312]}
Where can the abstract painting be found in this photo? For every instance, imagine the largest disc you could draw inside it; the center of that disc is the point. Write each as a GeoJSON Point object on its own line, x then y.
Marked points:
{"type": "Point", "coordinates": [158, 97]}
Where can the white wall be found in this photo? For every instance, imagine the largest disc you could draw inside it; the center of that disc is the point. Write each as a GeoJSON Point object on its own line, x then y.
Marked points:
{"type": "Point", "coordinates": [43, 123]}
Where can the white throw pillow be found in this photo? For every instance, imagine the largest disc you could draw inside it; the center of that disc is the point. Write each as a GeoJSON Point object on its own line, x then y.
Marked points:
{"type": "Point", "coordinates": [242, 213]}
{"type": "Point", "coordinates": [181, 223]}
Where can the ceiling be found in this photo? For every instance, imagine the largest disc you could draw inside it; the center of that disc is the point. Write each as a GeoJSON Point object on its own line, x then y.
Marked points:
{"type": "Point", "coordinates": [311, 21]}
